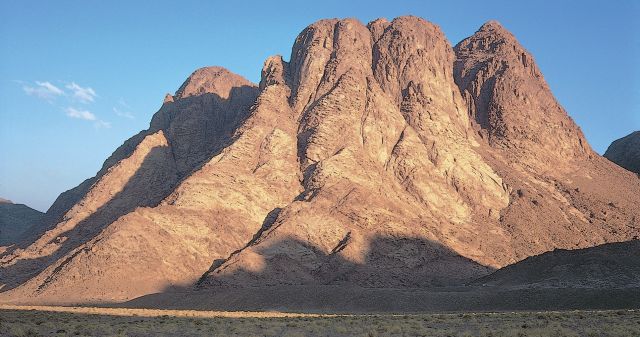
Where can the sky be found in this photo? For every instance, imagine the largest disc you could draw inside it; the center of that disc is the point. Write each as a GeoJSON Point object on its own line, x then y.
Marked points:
{"type": "Point", "coordinates": [77, 78]}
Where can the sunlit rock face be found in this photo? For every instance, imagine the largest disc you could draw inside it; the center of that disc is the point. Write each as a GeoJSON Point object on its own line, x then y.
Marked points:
{"type": "Point", "coordinates": [377, 156]}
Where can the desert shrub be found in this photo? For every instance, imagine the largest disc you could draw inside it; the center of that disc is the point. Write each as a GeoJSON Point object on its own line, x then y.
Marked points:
{"type": "Point", "coordinates": [24, 332]}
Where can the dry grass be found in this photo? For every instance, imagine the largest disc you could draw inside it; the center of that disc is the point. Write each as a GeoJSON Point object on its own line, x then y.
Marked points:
{"type": "Point", "coordinates": [63, 321]}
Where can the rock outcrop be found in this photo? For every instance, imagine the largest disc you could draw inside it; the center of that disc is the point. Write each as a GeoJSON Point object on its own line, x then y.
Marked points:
{"type": "Point", "coordinates": [626, 152]}
{"type": "Point", "coordinates": [378, 156]}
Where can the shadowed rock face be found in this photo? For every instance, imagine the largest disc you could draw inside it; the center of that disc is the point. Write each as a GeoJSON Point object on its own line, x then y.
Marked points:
{"type": "Point", "coordinates": [378, 156]}
{"type": "Point", "coordinates": [626, 152]}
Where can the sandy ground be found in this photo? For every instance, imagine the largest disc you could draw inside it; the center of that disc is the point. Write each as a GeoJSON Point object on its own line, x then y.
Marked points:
{"type": "Point", "coordinates": [154, 312]}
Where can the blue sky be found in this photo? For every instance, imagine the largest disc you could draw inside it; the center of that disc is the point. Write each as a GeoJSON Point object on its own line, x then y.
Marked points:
{"type": "Point", "coordinates": [77, 78]}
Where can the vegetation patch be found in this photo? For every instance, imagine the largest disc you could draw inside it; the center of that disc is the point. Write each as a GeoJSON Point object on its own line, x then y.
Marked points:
{"type": "Point", "coordinates": [14, 322]}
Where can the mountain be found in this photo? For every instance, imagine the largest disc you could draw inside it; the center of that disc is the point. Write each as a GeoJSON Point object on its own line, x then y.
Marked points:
{"type": "Point", "coordinates": [15, 221]}
{"type": "Point", "coordinates": [378, 156]}
{"type": "Point", "coordinates": [626, 152]}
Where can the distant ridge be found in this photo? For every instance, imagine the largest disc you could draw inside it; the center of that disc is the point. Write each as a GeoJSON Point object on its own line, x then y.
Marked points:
{"type": "Point", "coordinates": [16, 220]}
{"type": "Point", "coordinates": [626, 152]}
{"type": "Point", "coordinates": [608, 266]}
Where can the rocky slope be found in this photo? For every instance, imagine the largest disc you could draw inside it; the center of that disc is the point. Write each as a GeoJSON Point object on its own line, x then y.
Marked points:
{"type": "Point", "coordinates": [15, 221]}
{"type": "Point", "coordinates": [378, 156]}
{"type": "Point", "coordinates": [613, 265]}
{"type": "Point", "coordinates": [626, 152]}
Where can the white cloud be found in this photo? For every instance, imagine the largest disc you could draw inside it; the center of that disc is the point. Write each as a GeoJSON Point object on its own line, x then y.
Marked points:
{"type": "Point", "coordinates": [43, 90]}
{"type": "Point", "coordinates": [123, 113]}
{"type": "Point", "coordinates": [124, 104]}
{"type": "Point", "coordinates": [102, 124]}
{"type": "Point", "coordinates": [87, 116]}
{"type": "Point", "coordinates": [123, 109]}
{"type": "Point", "coordinates": [50, 87]}
{"type": "Point", "coordinates": [84, 95]}
{"type": "Point", "coordinates": [73, 94]}
{"type": "Point", "coordinates": [81, 114]}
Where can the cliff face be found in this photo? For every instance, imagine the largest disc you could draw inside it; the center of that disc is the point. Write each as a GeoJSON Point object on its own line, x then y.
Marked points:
{"type": "Point", "coordinates": [626, 152]}
{"type": "Point", "coordinates": [377, 156]}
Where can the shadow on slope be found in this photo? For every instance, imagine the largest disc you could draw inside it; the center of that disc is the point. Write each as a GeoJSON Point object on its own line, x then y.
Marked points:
{"type": "Point", "coordinates": [223, 116]}
{"type": "Point", "coordinates": [340, 295]}
{"type": "Point", "coordinates": [85, 230]}
{"type": "Point", "coordinates": [389, 261]}
{"type": "Point", "coordinates": [292, 275]}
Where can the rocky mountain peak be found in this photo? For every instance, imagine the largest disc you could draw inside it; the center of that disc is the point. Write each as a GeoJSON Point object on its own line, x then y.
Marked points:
{"type": "Point", "coordinates": [510, 101]}
{"type": "Point", "coordinates": [494, 40]}
{"type": "Point", "coordinates": [377, 28]}
{"type": "Point", "coordinates": [211, 80]}
{"type": "Point", "coordinates": [493, 36]}
{"type": "Point", "coordinates": [274, 71]}
{"type": "Point", "coordinates": [494, 27]}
